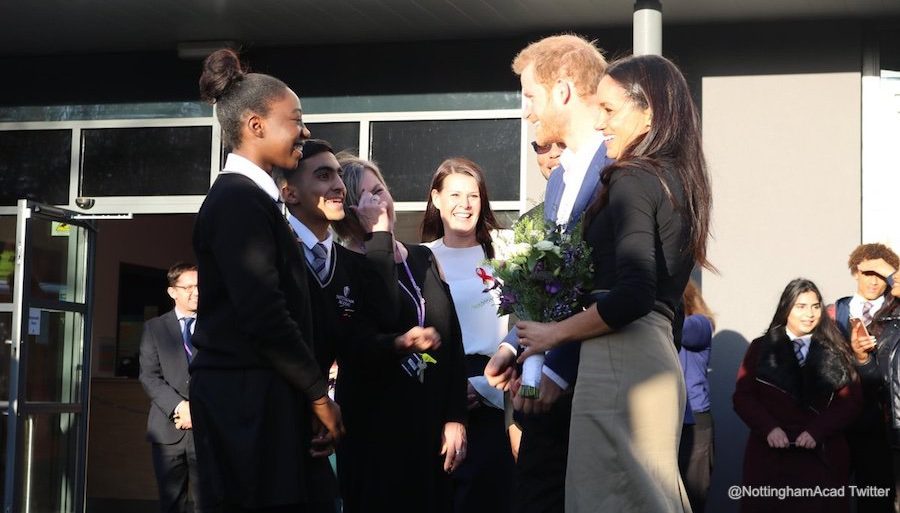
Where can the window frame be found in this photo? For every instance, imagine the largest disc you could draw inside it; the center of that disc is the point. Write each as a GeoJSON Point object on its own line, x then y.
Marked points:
{"type": "Point", "coordinates": [187, 204]}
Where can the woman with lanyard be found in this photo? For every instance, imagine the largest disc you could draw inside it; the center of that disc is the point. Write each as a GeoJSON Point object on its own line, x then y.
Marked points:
{"type": "Point", "coordinates": [457, 225]}
{"type": "Point", "coordinates": [412, 431]}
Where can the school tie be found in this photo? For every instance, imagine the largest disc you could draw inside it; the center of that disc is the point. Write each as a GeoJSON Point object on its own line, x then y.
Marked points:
{"type": "Point", "coordinates": [319, 263]}
{"type": "Point", "coordinates": [867, 312]}
{"type": "Point", "coordinates": [799, 352]}
{"type": "Point", "coordinates": [186, 335]}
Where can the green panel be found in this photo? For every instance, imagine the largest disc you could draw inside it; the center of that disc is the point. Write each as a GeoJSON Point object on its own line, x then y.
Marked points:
{"type": "Point", "coordinates": [412, 102]}
{"type": "Point", "coordinates": [107, 111]}
{"type": "Point", "coordinates": [311, 105]}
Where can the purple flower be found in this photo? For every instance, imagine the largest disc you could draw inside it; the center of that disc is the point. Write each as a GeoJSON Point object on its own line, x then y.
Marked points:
{"type": "Point", "coordinates": [539, 266]}
{"type": "Point", "coordinates": [558, 311]}
{"type": "Point", "coordinates": [507, 300]}
{"type": "Point", "coordinates": [553, 287]}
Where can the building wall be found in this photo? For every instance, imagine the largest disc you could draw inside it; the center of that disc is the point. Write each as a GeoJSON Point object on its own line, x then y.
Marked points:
{"type": "Point", "coordinates": [783, 145]}
{"type": "Point", "coordinates": [881, 131]}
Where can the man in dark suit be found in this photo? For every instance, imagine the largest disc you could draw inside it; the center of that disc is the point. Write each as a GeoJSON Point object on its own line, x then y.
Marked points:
{"type": "Point", "coordinates": [166, 350]}
{"type": "Point", "coordinates": [559, 76]}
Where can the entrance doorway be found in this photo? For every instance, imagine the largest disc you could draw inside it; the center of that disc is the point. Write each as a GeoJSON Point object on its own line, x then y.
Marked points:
{"type": "Point", "coordinates": [45, 322]}
{"type": "Point", "coordinates": [132, 258]}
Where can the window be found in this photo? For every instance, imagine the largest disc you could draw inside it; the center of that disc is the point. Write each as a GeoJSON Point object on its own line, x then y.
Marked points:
{"type": "Point", "coordinates": [167, 164]}
{"type": "Point", "coordinates": [35, 165]}
{"type": "Point", "coordinates": [408, 152]}
{"type": "Point", "coordinates": [342, 136]}
{"type": "Point", "coordinates": [146, 161]}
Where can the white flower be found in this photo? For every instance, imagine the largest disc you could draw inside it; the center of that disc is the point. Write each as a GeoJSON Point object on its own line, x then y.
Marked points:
{"type": "Point", "coordinates": [545, 245]}
{"type": "Point", "coordinates": [520, 248]}
{"type": "Point", "coordinates": [503, 244]}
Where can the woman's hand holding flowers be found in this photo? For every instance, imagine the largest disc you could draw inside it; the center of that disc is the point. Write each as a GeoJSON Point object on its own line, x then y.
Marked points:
{"type": "Point", "coordinates": [537, 337]}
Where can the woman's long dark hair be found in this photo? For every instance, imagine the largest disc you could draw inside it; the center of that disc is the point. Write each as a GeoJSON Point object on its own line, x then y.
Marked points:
{"type": "Point", "coordinates": [672, 144]}
{"type": "Point", "coordinates": [433, 226]}
{"type": "Point", "coordinates": [825, 333]}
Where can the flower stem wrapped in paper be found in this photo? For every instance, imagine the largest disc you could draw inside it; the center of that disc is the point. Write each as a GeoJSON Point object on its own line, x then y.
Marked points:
{"type": "Point", "coordinates": [543, 274]}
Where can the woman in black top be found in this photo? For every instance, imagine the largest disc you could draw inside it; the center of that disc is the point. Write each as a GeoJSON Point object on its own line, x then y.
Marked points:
{"type": "Point", "coordinates": [647, 229]}
{"type": "Point", "coordinates": [406, 430]}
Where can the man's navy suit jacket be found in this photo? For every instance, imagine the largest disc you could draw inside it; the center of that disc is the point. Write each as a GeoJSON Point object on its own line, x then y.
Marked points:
{"type": "Point", "coordinates": [564, 360]}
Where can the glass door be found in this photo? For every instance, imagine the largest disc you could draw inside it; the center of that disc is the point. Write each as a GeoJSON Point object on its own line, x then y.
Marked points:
{"type": "Point", "coordinates": [49, 372]}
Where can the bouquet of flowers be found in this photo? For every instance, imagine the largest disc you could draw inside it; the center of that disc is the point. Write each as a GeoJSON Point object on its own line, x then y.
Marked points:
{"type": "Point", "coordinates": [543, 274]}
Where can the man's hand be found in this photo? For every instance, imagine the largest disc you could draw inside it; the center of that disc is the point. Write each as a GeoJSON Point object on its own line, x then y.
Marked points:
{"type": "Point", "coordinates": [777, 439]}
{"type": "Point", "coordinates": [878, 266]}
{"type": "Point", "coordinates": [861, 342]}
{"type": "Point", "coordinates": [328, 414]}
{"type": "Point", "coordinates": [501, 369]}
{"type": "Point", "coordinates": [549, 393]}
{"type": "Point", "coordinates": [418, 340]}
{"type": "Point", "coordinates": [182, 415]}
{"type": "Point", "coordinates": [453, 446]}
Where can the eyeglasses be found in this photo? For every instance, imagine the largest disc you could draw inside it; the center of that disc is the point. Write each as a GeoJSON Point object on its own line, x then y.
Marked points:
{"type": "Point", "coordinates": [540, 150]}
{"type": "Point", "coordinates": [190, 289]}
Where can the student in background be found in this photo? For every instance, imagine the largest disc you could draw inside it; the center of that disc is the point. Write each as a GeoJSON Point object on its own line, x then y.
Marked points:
{"type": "Point", "coordinates": [870, 460]}
{"type": "Point", "coordinates": [873, 348]}
{"type": "Point", "coordinates": [797, 391]}
{"type": "Point", "coordinates": [695, 451]}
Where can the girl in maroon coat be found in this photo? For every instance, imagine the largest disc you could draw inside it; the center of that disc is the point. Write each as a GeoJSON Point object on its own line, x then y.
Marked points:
{"type": "Point", "coordinates": [796, 391]}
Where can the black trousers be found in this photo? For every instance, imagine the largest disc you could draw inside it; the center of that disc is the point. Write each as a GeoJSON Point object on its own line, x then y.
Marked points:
{"type": "Point", "coordinates": [871, 465]}
{"type": "Point", "coordinates": [540, 483]}
{"type": "Point", "coordinates": [896, 457]}
{"type": "Point", "coordinates": [175, 466]}
{"type": "Point", "coordinates": [483, 483]}
{"type": "Point", "coordinates": [696, 453]}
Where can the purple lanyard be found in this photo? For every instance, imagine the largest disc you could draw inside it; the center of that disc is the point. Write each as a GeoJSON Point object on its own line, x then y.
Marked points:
{"type": "Point", "coordinates": [417, 299]}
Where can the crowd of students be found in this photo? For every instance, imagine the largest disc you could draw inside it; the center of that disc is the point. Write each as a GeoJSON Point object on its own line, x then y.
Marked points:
{"type": "Point", "coordinates": [300, 268]}
{"type": "Point", "coordinates": [818, 392]}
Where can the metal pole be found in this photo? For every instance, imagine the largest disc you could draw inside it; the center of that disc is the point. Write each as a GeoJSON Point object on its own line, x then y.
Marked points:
{"type": "Point", "coordinates": [647, 27]}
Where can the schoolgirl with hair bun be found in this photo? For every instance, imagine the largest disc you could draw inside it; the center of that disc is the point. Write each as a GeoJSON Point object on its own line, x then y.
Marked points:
{"type": "Point", "coordinates": [263, 423]}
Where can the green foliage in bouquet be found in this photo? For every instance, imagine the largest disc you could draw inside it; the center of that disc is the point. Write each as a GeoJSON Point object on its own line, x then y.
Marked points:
{"type": "Point", "coordinates": [544, 274]}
